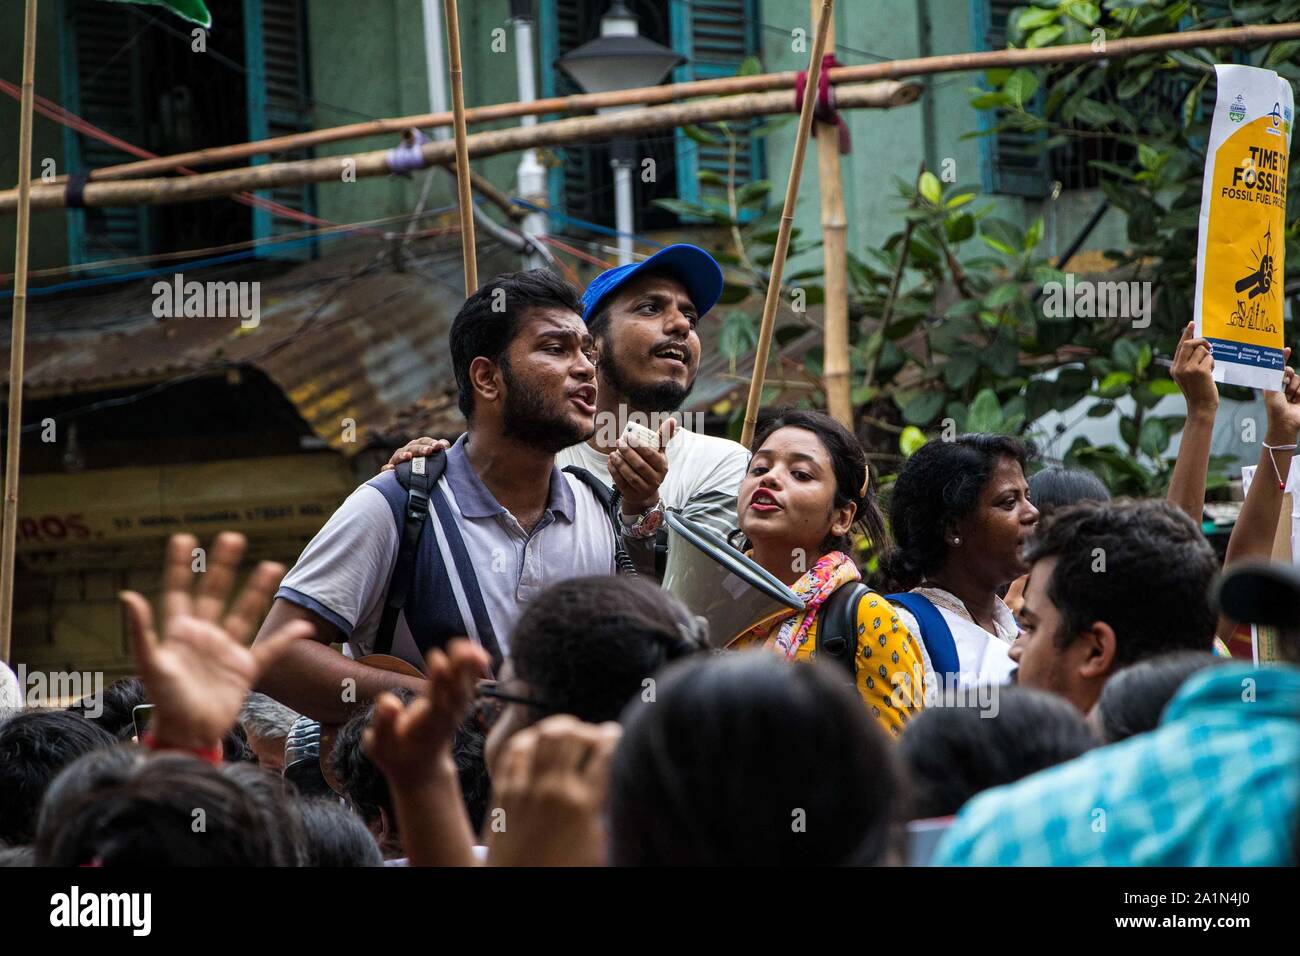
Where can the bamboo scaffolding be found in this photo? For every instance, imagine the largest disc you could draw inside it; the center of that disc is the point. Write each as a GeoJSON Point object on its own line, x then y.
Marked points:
{"type": "Point", "coordinates": [13, 443]}
{"type": "Point", "coordinates": [467, 244]}
{"type": "Point", "coordinates": [584, 129]}
{"type": "Point", "coordinates": [782, 246]}
{"type": "Point", "coordinates": [835, 265]}
{"type": "Point", "coordinates": [584, 102]}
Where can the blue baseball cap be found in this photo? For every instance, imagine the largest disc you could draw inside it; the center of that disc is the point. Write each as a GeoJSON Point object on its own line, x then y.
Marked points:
{"type": "Point", "coordinates": [696, 269]}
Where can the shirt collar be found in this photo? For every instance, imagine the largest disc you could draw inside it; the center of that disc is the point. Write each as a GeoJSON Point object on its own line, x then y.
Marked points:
{"type": "Point", "coordinates": [475, 500]}
{"type": "Point", "coordinates": [1273, 690]}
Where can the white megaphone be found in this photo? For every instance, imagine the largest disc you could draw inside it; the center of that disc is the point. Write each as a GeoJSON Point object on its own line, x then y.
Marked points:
{"type": "Point", "coordinates": [719, 583]}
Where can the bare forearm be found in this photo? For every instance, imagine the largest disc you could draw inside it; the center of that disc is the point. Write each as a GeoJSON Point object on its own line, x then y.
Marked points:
{"type": "Point", "coordinates": [434, 825]}
{"type": "Point", "coordinates": [316, 680]}
{"type": "Point", "coordinates": [1187, 484]}
{"type": "Point", "coordinates": [1252, 535]}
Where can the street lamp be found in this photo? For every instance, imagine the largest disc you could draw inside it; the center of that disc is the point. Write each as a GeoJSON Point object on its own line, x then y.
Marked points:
{"type": "Point", "coordinates": [620, 59]}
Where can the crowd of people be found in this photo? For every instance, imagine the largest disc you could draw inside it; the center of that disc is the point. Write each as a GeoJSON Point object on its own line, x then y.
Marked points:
{"type": "Point", "coordinates": [998, 651]}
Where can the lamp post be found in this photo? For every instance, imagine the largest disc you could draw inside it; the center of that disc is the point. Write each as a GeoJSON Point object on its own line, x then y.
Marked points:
{"type": "Point", "coordinates": [620, 59]}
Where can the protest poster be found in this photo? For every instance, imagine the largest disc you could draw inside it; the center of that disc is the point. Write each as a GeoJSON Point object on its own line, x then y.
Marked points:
{"type": "Point", "coordinates": [1241, 248]}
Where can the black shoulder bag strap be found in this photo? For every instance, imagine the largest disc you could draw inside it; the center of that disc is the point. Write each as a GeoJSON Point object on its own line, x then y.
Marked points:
{"type": "Point", "coordinates": [418, 484]}
{"type": "Point", "coordinates": [837, 629]}
{"type": "Point", "coordinates": [609, 499]}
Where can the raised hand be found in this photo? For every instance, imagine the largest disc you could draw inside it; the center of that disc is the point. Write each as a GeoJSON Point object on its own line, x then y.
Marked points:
{"type": "Point", "coordinates": [412, 744]}
{"type": "Point", "coordinates": [199, 671]}
{"type": "Point", "coordinates": [1193, 370]}
{"type": "Point", "coordinates": [638, 470]}
{"type": "Point", "coordinates": [551, 787]}
{"type": "Point", "coordinates": [1283, 407]}
{"type": "Point", "coordinates": [420, 447]}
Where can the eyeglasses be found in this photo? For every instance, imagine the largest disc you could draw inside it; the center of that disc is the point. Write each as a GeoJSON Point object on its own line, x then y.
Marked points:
{"type": "Point", "coordinates": [491, 702]}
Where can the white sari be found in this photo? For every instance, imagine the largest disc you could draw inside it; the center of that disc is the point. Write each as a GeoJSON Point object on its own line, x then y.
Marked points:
{"type": "Point", "coordinates": [982, 657]}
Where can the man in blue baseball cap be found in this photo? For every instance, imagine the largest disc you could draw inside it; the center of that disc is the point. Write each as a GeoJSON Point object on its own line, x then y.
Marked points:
{"type": "Point", "coordinates": [643, 318]}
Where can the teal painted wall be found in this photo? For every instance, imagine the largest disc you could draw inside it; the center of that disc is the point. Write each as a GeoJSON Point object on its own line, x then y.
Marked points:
{"type": "Point", "coordinates": [48, 245]}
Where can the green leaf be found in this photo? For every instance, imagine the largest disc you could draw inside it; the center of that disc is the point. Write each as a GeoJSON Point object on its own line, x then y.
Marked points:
{"type": "Point", "coordinates": [1114, 385]}
{"type": "Point", "coordinates": [1002, 295]}
{"type": "Point", "coordinates": [1021, 86]}
{"type": "Point", "coordinates": [192, 10]}
{"type": "Point", "coordinates": [958, 200]}
{"type": "Point", "coordinates": [919, 408]}
{"type": "Point", "coordinates": [1034, 17]}
{"type": "Point", "coordinates": [1126, 355]}
{"type": "Point", "coordinates": [958, 370]}
{"type": "Point", "coordinates": [985, 412]}
{"type": "Point", "coordinates": [911, 440]}
{"type": "Point", "coordinates": [1043, 36]}
{"type": "Point", "coordinates": [750, 66]}
{"type": "Point", "coordinates": [701, 136]}
{"type": "Point", "coordinates": [960, 227]}
{"type": "Point", "coordinates": [1034, 234]}
{"type": "Point", "coordinates": [928, 186]}
{"type": "Point", "coordinates": [1101, 409]}
{"type": "Point", "coordinates": [1163, 387]}
{"type": "Point", "coordinates": [738, 334]}
{"type": "Point", "coordinates": [989, 101]}
{"type": "Point", "coordinates": [753, 192]}
{"type": "Point", "coordinates": [1154, 437]}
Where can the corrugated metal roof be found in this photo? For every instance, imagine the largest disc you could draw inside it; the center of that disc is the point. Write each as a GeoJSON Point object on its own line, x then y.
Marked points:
{"type": "Point", "coordinates": [345, 337]}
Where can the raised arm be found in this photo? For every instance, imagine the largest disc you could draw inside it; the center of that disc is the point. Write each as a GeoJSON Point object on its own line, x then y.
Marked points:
{"type": "Point", "coordinates": [1193, 370]}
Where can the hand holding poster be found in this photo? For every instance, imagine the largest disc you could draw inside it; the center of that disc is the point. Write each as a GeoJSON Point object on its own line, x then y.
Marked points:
{"type": "Point", "coordinates": [1242, 246]}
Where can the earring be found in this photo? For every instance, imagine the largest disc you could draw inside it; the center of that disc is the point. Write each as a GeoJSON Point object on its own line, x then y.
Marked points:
{"type": "Point", "coordinates": [956, 541]}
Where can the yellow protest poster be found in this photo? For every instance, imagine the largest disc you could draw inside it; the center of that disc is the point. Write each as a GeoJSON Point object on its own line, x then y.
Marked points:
{"type": "Point", "coordinates": [1241, 250]}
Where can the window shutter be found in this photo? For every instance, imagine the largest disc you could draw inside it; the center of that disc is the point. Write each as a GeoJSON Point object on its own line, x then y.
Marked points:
{"type": "Point", "coordinates": [275, 41]}
{"type": "Point", "coordinates": [102, 83]}
{"type": "Point", "coordinates": [1010, 161]}
{"type": "Point", "coordinates": [715, 36]}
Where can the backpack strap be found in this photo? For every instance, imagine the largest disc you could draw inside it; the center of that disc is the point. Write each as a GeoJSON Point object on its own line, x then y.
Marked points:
{"type": "Point", "coordinates": [418, 477]}
{"type": "Point", "coordinates": [609, 500]}
{"type": "Point", "coordinates": [837, 626]}
{"type": "Point", "coordinates": [468, 578]}
{"type": "Point", "coordinates": [935, 632]}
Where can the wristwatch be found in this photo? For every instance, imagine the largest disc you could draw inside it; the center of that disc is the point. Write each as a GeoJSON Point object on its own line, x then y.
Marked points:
{"type": "Point", "coordinates": [645, 524]}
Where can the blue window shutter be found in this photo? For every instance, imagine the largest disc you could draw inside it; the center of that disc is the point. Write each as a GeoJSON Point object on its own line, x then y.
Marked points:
{"type": "Point", "coordinates": [715, 36]}
{"type": "Point", "coordinates": [101, 81]}
{"type": "Point", "coordinates": [1010, 162]}
{"type": "Point", "coordinates": [275, 44]}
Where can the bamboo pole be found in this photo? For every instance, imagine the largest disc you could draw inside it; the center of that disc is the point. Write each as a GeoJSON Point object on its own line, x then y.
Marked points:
{"type": "Point", "coordinates": [462, 151]}
{"type": "Point", "coordinates": [583, 102]}
{"type": "Point", "coordinates": [835, 264]}
{"type": "Point", "coordinates": [13, 445]}
{"type": "Point", "coordinates": [581, 129]}
{"type": "Point", "coordinates": [787, 222]}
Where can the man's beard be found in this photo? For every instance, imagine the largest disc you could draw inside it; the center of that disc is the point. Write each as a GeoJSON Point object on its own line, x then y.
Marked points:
{"type": "Point", "coordinates": [662, 396]}
{"type": "Point", "coordinates": [529, 420]}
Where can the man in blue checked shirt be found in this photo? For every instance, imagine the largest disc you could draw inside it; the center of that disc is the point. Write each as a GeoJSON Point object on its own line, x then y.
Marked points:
{"type": "Point", "coordinates": [1216, 784]}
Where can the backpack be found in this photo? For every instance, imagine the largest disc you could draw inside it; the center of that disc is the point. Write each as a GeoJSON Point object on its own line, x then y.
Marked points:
{"type": "Point", "coordinates": [837, 629]}
{"type": "Point", "coordinates": [419, 477]}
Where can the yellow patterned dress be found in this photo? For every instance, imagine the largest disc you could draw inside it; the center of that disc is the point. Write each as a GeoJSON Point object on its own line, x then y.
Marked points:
{"type": "Point", "coordinates": [889, 668]}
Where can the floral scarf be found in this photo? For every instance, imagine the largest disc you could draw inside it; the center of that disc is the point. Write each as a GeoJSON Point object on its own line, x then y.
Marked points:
{"type": "Point", "coordinates": [788, 633]}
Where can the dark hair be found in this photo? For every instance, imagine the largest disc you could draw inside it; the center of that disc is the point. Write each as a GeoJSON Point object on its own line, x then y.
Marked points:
{"type": "Point", "coordinates": [479, 330]}
{"type": "Point", "coordinates": [585, 645]}
{"type": "Point", "coordinates": [34, 746]}
{"type": "Point", "coordinates": [956, 751]}
{"type": "Point", "coordinates": [1056, 487]}
{"type": "Point", "coordinates": [747, 760]}
{"type": "Point", "coordinates": [938, 486]}
{"type": "Point", "coordinates": [17, 856]}
{"type": "Point", "coordinates": [335, 836]}
{"type": "Point", "coordinates": [1134, 699]}
{"type": "Point", "coordinates": [366, 788]}
{"type": "Point", "coordinates": [279, 806]}
{"type": "Point", "coordinates": [121, 807]}
{"type": "Point", "coordinates": [1152, 586]}
{"type": "Point", "coordinates": [849, 463]}
{"type": "Point", "coordinates": [234, 745]}
{"type": "Point", "coordinates": [116, 706]}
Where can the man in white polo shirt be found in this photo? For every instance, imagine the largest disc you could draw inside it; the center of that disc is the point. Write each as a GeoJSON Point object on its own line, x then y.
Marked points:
{"type": "Point", "coordinates": [504, 521]}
